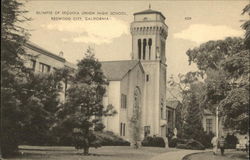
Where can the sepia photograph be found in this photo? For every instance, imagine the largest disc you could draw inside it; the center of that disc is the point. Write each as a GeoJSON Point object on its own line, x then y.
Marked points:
{"type": "Point", "coordinates": [125, 80]}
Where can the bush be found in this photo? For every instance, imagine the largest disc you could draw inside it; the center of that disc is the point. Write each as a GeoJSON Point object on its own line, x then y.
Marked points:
{"type": "Point", "coordinates": [231, 141]}
{"type": "Point", "coordinates": [108, 138]}
{"type": "Point", "coordinates": [191, 144]}
{"type": "Point", "coordinates": [206, 139]}
{"type": "Point", "coordinates": [175, 141]}
{"type": "Point", "coordinates": [172, 142]}
{"type": "Point", "coordinates": [153, 142]}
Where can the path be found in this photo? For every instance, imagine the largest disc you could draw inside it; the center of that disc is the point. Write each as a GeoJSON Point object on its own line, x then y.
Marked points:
{"type": "Point", "coordinates": [176, 155]}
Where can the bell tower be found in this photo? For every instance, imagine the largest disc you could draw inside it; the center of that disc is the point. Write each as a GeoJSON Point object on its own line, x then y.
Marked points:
{"type": "Point", "coordinates": [149, 33]}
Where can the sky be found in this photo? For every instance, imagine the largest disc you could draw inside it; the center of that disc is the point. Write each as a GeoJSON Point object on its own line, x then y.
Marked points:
{"type": "Point", "coordinates": [190, 23]}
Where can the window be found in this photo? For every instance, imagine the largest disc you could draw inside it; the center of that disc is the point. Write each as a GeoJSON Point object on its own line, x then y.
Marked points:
{"type": "Point", "coordinates": [33, 64]}
{"type": "Point", "coordinates": [122, 129]}
{"type": "Point", "coordinates": [139, 48]}
{"type": "Point", "coordinates": [147, 77]}
{"type": "Point", "coordinates": [144, 48]}
{"type": "Point", "coordinates": [162, 113]}
{"type": "Point", "coordinates": [209, 125]}
{"type": "Point", "coordinates": [123, 101]}
{"type": "Point", "coordinates": [166, 113]}
{"type": "Point", "coordinates": [169, 116]}
{"type": "Point", "coordinates": [162, 110]}
{"type": "Point", "coordinates": [146, 131]}
{"type": "Point", "coordinates": [149, 46]}
{"type": "Point", "coordinates": [44, 68]}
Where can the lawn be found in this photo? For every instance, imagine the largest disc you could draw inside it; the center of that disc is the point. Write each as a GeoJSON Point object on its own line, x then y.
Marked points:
{"type": "Point", "coordinates": [229, 155]}
{"type": "Point", "coordinates": [103, 153]}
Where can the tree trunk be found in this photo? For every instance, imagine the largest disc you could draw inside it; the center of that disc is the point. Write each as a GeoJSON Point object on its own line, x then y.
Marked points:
{"type": "Point", "coordinates": [86, 150]}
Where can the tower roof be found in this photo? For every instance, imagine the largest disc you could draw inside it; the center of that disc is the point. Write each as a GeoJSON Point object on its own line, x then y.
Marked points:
{"type": "Point", "coordinates": [149, 11]}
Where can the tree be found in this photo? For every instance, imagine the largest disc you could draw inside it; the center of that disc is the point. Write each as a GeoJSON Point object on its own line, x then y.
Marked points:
{"type": "Point", "coordinates": [192, 127]}
{"type": "Point", "coordinates": [42, 101]}
{"type": "Point", "coordinates": [246, 26]}
{"type": "Point", "coordinates": [13, 73]}
{"type": "Point", "coordinates": [189, 92]}
{"type": "Point", "coordinates": [29, 101]}
{"type": "Point", "coordinates": [225, 64]}
{"type": "Point", "coordinates": [83, 109]}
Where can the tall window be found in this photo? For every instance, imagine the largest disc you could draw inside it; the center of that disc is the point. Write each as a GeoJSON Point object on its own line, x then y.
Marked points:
{"type": "Point", "coordinates": [147, 77]}
{"type": "Point", "coordinates": [149, 46]}
{"type": "Point", "coordinates": [162, 50]}
{"type": "Point", "coordinates": [33, 64]}
{"type": "Point", "coordinates": [162, 110]}
{"type": "Point", "coordinates": [170, 118]}
{"type": "Point", "coordinates": [122, 129]}
{"type": "Point", "coordinates": [209, 125]}
{"type": "Point", "coordinates": [144, 48]}
{"type": "Point", "coordinates": [166, 114]}
{"type": "Point", "coordinates": [121, 124]}
{"type": "Point", "coordinates": [123, 101]}
{"type": "Point", "coordinates": [44, 68]}
{"type": "Point", "coordinates": [139, 48]}
{"type": "Point", "coordinates": [146, 131]}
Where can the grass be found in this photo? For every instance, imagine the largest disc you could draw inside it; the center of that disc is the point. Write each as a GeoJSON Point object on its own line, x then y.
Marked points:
{"type": "Point", "coordinates": [229, 155]}
{"type": "Point", "coordinates": [103, 153]}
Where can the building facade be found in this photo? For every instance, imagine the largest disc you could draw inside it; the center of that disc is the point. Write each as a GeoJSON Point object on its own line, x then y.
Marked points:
{"type": "Point", "coordinates": [43, 61]}
{"type": "Point", "coordinates": [137, 87]}
{"type": "Point", "coordinates": [142, 80]}
{"type": "Point", "coordinates": [149, 33]}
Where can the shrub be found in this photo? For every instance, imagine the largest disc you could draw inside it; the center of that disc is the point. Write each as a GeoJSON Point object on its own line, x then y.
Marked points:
{"type": "Point", "coordinates": [175, 141]}
{"type": "Point", "coordinates": [206, 139]}
{"type": "Point", "coordinates": [191, 144]}
{"type": "Point", "coordinates": [108, 138]}
{"type": "Point", "coordinates": [172, 142]}
{"type": "Point", "coordinates": [153, 142]}
{"type": "Point", "coordinates": [231, 141]}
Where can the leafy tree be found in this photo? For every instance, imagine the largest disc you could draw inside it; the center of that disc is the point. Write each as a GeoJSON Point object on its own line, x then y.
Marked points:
{"type": "Point", "coordinates": [246, 26]}
{"type": "Point", "coordinates": [13, 73]}
{"type": "Point", "coordinates": [189, 92]}
{"type": "Point", "coordinates": [42, 101]}
{"type": "Point", "coordinates": [29, 101]}
{"type": "Point", "coordinates": [192, 127]}
{"type": "Point", "coordinates": [83, 109]}
{"type": "Point", "coordinates": [225, 64]}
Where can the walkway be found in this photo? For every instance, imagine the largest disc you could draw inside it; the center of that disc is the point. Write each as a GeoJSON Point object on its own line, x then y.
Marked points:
{"type": "Point", "coordinates": [176, 155]}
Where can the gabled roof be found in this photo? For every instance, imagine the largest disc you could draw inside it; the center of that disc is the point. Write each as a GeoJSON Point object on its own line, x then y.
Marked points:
{"type": "Point", "coordinates": [39, 49]}
{"type": "Point", "coordinates": [116, 70]}
{"type": "Point", "coordinates": [149, 11]}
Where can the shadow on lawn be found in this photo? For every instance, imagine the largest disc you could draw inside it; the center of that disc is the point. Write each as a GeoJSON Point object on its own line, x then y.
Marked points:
{"type": "Point", "coordinates": [46, 153]}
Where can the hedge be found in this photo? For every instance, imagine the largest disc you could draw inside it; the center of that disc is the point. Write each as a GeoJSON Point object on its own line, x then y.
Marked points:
{"type": "Point", "coordinates": [153, 142]}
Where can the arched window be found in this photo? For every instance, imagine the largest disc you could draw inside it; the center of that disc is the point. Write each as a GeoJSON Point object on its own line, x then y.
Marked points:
{"type": "Point", "coordinates": [139, 48]}
{"type": "Point", "coordinates": [149, 47]}
{"type": "Point", "coordinates": [144, 48]}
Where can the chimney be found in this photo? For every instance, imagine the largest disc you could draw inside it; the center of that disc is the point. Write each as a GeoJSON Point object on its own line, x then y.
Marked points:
{"type": "Point", "coordinates": [61, 53]}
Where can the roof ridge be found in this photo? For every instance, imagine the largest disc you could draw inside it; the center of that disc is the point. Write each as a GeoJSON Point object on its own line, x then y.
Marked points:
{"type": "Point", "coordinates": [49, 53]}
{"type": "Point", "coordinates": [149, 11]}
{"type": "Point", "coordinates": [118, 61]}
